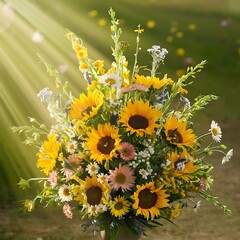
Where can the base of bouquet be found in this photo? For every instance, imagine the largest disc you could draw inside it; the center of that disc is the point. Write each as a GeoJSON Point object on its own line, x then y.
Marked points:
{"type": "Point", "coordinates": [123, 234]}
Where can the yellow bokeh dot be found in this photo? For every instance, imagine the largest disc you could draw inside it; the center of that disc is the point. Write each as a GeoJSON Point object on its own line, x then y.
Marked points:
{"type": "Point", "coordinates": [238, 51]}
{"type": "Point", "coordinates": [102, 22]}
{"type": "Point", "coordinates": [179, 34]}
{"type": "Point", "coordinates": [180, 72]}
{"type": "Point", "coordinates": [173, 29]}
{"type": "Point", "coordinates": [192, 26]}
{"type": "Point", "coordinates": [169, 39]}
{"type": "Point", "coordinates": [93, 13]}
{"type": "Point", "coordinates": [151, 24]}
{"type": "Point", "coordinates": [180, 52]}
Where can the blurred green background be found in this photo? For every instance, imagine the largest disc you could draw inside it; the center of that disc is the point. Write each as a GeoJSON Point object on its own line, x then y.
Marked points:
{"type": "Point", "coordinates": [191, 31]}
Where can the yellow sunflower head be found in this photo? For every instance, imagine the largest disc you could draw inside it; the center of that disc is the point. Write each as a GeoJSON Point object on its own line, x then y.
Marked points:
{"type": "Point", "coordinates": [139, 117]}
{"type": "Point", "coordinates": [157, 83]}
{"type": "Point", "coordinates": [120, 206]}
{"type": "Point", "coordinates": [48, 154]}
{"type": "Point", "coordinates": [86, 107]}
{"type": "Point", "coordinates": [94, 191]}
{"type": "Point", "coordinates": [103, 142]}
{"type": "Point", "coordinates": [177, 134]}
{"type": "Point", "coordinates": [148, 200]}
{"type": "Point", "coordinates": [143, 80]}
{"type": "Point", "coordinates": [182, 166]}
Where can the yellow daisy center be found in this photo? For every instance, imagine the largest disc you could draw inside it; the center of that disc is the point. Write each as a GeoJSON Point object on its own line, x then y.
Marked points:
{"type": "Point", "coordinates": [120, 178]}
{"type": "Point", "coordinates": [215, 131]}
{"type": "Point", "coordinates": [92, 168]}
{"type": "Point", "coordinates": [66, 192]}
{"type": "Point", "coordinates": [138, 122]}
{"type": "Point", "coordinates": [105, 145]}
{"type": "Point", "coordinates": [175, 136]}
{"type": "Point", "coordinates": [111, 81]}
{"type": "Point", "coordinates": [94, 195]}
{"type": "Point", "coordinates": [147, 199]}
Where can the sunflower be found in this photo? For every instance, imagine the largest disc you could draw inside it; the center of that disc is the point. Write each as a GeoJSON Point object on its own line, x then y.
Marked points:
{"type": "Point", "coordinates": [142, 80]}
{"type": "Point", "coordinates": [157, 83]}
{"type": "Point", "coordinates": [148, 200]}
{"type": "Point", "coordinates": [181, 166]}
{"type": "Point", "coordinates": [48, 154]}
{"type": "Point", "coordinates": [86, 107]}
{"type": "Point", "coordinates": [103, 143]}
{"type": "Point", "coordinates": [119, 207]}
{"type": "Point", "coordinates": [90, 191]}
{"type": "Point", "coordinates": [177, 134]}
{"type": "Point", "coordinates": [94, 191]}
{"type": "Point", "coordinates": [139, 117]}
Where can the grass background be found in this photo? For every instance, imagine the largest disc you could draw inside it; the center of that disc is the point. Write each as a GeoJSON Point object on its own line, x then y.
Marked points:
{"type": "Point", "coordinates": [216, 39]}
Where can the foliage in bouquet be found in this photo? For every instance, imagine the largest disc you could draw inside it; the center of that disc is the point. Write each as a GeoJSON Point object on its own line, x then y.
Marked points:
{"type": "Point", "coordinates": [125, 152]}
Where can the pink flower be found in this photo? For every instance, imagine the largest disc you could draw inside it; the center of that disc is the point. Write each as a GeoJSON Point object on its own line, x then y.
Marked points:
{"type": "Point", "coordinates": [122, 177]}
{"type": "Point", "coordinates": [140, 87]}
{"type": "Point", "coordinates": [202, 183]}
{"type": "Point", "coordinates": [67, 211]}
{"type": "Point", "coordinates": [127, 89]}
{"type": "Point", "coordinates": [53, 178]}
{"type": "Point", "coordinates": [127, 151]}
{"type": "Point", "coordinates": [67, 172]}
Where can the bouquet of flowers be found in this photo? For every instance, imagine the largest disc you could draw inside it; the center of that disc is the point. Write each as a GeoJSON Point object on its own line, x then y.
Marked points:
{"type": "Point", "coordinates": [124, 153]}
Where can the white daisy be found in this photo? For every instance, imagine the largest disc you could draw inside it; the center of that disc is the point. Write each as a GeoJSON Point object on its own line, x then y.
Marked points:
{"type": "Point", "coordinates": [64, 193]}
{"type": "Point", "coordinates": [144, 173]}
{"type": "Point", "coordinates": [112, 80]}
{"type": "Point", "coordinates": [72, 146]}
{"type": "Point", "coordinates": [102, 178]}
{"type": "Point", "coordinates": [92, 168]}
{"type": "Point", "coordinates": [216, 132]}
{"type": "Point", "coordinates": [227, 157]}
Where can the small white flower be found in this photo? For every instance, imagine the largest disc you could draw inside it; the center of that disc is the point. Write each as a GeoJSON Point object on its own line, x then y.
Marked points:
{"type": "Point", "coordinates": [64, 193]}
{"type": "Point", "coordinates": [112, 80]}
{"type": "Point", "coordinates": [92, 168]}
{"type": "Point", "coordinates": [144, 173]}
{"type": "Point", "coordinates": [180, 166]}
{"type": "Point", "coordinates": [216, 132]}
{"type": "Point", "coordinates": [102, 178]}
{"type": "Point", "coordinates": [45, 95]}
{"type": "Point", "coordinates": [227, 157]}
{"type": "Point", "coordinates": [72, 146]}
{"type": "Point", "coordinates": [197, 206]}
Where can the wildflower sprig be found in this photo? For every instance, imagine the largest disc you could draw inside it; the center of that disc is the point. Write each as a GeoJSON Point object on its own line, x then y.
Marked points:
{"type": "Point", "coordinates": [125, 153]}
{"type": "Point", "coordinates": [32, 133]}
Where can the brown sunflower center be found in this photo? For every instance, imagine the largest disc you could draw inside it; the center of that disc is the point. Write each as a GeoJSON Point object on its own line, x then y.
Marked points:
{"type": "Point", "coordinates": [120, 178]}
{"type": "Point", "coordinates": [118, 206]}
{"type": "Point", "coordinates": [138, 122]}
{"type": "Point", "coordinates": [175, 136]}
{"type": "Point", "coordinates": [106, 145]}
{"type": "Point", "coordinates": [147, 199]}
{"type": "Point", "coordinates": [94, 195]}
{"type": "Point", "coordinates": [88, 109]}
